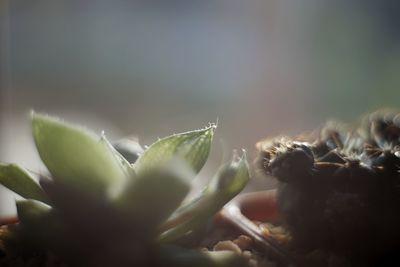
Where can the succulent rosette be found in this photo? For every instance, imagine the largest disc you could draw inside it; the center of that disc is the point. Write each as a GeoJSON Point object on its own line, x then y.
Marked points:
{"type": "Point", "coordinates": [105, 205]}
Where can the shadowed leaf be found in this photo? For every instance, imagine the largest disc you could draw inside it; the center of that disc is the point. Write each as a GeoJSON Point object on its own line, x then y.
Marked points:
{"type": "Point", "coordinates": [31, 212]}
{"type": "Point", "coordinates": [19, 181]}
{"type": "Point", "coordinates": [153, 195]}
{"type": "Point", "coordinates": [129, 149]}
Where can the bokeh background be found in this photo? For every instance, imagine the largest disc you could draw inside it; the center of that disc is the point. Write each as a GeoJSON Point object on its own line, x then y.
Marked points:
{"type": "Point", "coordinates": [152, 68]}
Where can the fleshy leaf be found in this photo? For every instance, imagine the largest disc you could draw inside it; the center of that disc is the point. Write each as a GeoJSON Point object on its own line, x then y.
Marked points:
{"type": "Point", "coordinates": [31, 211]}
{"type": "Point", "coordinates": [226, 184]}
{"type": "Point", "coordinates": [75, 156]}
{"type": "Point", "coordinates": [38, 224]}
{"type": "Point", "coordinates": [154, 194]}
{"type": "Point", "coordinates": [19, 181]}
{"type": "Point", "coordinates": [79, 210]}
{"type": "Point", "coordinates": [230, 179]}
{"type": "Point", "coordinates": [193, 147]}
{"type": "Point", "coordinates": [123, 162]}
{"type": "Point", "coordinates": [129, 149]}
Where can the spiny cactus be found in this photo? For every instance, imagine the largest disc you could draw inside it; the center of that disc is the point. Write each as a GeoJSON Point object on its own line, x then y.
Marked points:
{"type": "Point", "coordinates": [99, 209]}
{"type": "Point", "coordinates": [341, 191]}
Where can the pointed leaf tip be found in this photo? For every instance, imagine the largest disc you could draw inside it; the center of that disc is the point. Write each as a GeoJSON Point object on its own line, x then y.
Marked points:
{"type": "Point", "coordinates": [193, 147]}
{"type": "Point", "coordinates": [231, 178]}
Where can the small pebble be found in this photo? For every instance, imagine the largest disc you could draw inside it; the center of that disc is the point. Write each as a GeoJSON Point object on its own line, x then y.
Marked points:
{"type": "Point", "coordinates": [227, 245]}
{"type": "Point", "coordinates": [264, 230]}
{"type": "Point", "coordinates": [253, 263]}
{"type": "Point", "coordinates": [247, 254]}
{"type": "Point", "coordinates": [244, 242]}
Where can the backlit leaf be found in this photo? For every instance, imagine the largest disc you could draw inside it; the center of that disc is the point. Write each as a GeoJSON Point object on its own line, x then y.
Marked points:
{"type": "Point", "coordinates": [75, 156]}
{"type": "Point", "coordinates": [193, 147]}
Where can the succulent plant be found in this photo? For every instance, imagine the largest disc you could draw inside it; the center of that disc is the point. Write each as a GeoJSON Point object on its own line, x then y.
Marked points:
{"type": "Point", "coordinates": [340, 192]}
{"type": "Point", "coordinates": [98, 208]}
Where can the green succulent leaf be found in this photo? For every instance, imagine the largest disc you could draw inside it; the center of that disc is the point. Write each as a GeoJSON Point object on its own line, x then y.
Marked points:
{"type": "Point", "coordinates": [193, 147]}
{"type": "Point", "coordinates": [230, 179]}
{"type": "Point", "coordinates": [21, 182]}
{"type": "Point", "coordinates": [129, 149]}
{"type": "Point", "coordinates": [76, 156]}
{"type": "Point", "coordinates": [39, 225]}
{"type": "Point", "coordinates": [31, 211]}
{"type": "Point", "coordinates": [154, 194]}
{"type": "Point", "coordinates": [227, 183]}
{"type": "Point", "coordinates": [123, 162]}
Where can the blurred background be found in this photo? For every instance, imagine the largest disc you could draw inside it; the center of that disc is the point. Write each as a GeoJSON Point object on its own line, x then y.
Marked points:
{"type": "Point", "coordinates": [152, 68]}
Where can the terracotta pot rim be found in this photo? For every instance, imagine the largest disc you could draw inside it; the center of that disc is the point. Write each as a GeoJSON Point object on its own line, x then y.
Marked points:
{"type": "Point", "coordinates": [6, 220]}
{"type": "Point", "coordinates": [257, 206]}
